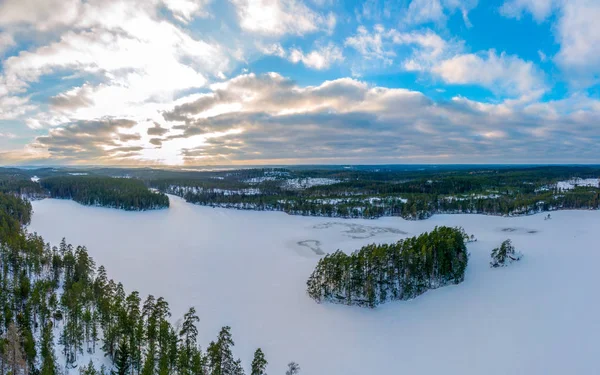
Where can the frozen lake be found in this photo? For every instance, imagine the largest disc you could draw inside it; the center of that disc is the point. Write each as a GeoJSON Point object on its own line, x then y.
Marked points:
{"type": "Point", "coordinates": [248, 270]}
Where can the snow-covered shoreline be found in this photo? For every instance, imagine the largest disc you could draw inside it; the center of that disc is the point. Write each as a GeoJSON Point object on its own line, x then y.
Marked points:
{"type": "Point", "coordinates": [247, 269]}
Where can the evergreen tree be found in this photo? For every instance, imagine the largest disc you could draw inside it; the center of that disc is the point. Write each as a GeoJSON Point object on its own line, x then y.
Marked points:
{"type": "Point", "coordinates": [504, 255]}
{"type": "Point", "coordinates": [221, 361]}
{"type": "Point", "coordinates": [188, 339]}
{"type": "Point", "coordinates": [47, 351]}
{"type": "Point", "coordinates": [122, 358]}
{"type": "Point", "coordinates": [89, 369]}
{"type": "Point", "coordinates": [293, 369]}
{"type": "Point", "coordinates": [259, 363]}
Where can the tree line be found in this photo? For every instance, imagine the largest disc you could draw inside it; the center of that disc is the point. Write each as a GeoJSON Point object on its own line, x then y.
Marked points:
{"type": "Point", "coordinates": [48, 291]}
{"type": "Point", "coordinates": [400, 271]}
{"type": "Point", "coordinates": [122, 193]}
{"type": "Point", "coordinates": [411, 206]}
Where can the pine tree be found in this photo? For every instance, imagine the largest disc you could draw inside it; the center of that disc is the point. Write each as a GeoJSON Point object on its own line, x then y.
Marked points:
{"type": "Point", "coordinates": [259, 363]}
{"type": "Point", "coordinates": [47, 351]}
{"type": "Point", "coordinates": [293, 369]}
{"type": "Point", "coordinates": [122, 359]}
{"type": "Point", "coordinates": [89, 369]}
{"type": "Point", "coordinates": [220, 357]}
{"type": "Point", "coordinates": [504, 254]}
{"type": "Point", "coordinates": [188, 338]}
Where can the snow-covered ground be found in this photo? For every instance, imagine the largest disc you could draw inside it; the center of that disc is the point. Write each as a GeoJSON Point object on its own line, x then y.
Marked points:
{"type": "Point", "coordinates": [248, 270]}
{"type": "Point", "coordinates": [304, 183]}
{"type": "Point", "coordinates": [571, 184]}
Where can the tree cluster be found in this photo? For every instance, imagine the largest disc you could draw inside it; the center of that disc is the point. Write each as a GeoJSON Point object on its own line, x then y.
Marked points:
{"type": "Point", "coordinates": [122, 193]}
{"type": "Point", "coordinates": [504, 255]}
{"type": "Point", "coordinates": [400, 271]}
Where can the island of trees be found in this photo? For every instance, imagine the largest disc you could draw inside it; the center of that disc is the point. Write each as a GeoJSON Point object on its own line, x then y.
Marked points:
{"type": "Point", "coordinates": [48, 292]}
{"type": "Point", "coordinates": [400, 271]}
{"type": "Point", "coordinates": [504, 255]}
{"type": "Point", "coordinates": [122, 193]}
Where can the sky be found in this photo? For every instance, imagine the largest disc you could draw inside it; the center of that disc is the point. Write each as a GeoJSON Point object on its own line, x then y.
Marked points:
{"type": "Point", "coordinates": [253, 82]}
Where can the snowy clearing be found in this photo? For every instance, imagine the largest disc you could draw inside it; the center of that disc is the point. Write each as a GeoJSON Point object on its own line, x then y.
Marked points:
{"type": "Point", "coordinates": [304, 183]}
{"type": "Point", "coordinates": [571, 184]}
{"type": "Point", "coordinates": [249, 269]}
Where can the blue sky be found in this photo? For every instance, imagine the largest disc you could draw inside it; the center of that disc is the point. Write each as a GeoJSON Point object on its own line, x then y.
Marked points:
{"type": "Point", "coordinates": [198, 82]}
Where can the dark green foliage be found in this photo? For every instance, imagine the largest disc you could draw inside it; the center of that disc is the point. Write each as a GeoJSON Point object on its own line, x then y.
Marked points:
{"type": "Point", "coordinates": [18, 182]}
{"type": "Point", "coordinates": [122, 359]}
{"type": "Point", "coordinates": [220, 357]}
{"type": "Point", "coordinates": [122, 193]}
{"type": "Point", "coordinates": [378, 273]}
{"type": "Point", "coordinates": [504, 255]}
{"type": "Point", "coordinates": [259, 363]}
{"type": "Point", "coordinates": [371, 192]}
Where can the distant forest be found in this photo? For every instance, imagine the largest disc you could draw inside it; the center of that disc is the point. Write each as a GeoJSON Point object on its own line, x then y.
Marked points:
{"type": "Point", "coordinates": [375, 192]}
{"type": "Point", "coordinates": [122, 193]}
{"type": "Point", "coordinates": [411, 192]}
{"type": "Point", "coordinates": [379, 273]}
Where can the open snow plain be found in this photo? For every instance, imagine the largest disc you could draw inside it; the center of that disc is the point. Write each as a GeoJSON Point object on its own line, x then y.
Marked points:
{"type": "Point", "coordinates": [248, 270]}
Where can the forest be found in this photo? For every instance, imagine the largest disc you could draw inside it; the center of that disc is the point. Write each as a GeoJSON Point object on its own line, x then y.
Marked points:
{"type": "Point", "coordinates": [122, 193]}
{"type": "Point", "coordinates": [374, 193]}
{"type": "Point", "coordinates": [411, 192]}
{"type": "Point", "coordinates": [56, 305]}
{"type": "Point", "coordinates": [379, 273]}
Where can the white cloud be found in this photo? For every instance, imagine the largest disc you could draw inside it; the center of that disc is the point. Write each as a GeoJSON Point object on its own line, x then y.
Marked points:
{"type": "Point", "coordinates": [412, 51]}
{"type": "Point", "coordinates": [273, 49]}
{"type": "Point", "coordinates": [539, 9]}
{"type": "Point", "coordinates": [423, 11]}
{"type": "Point", "coordinates": [186, 10]}
{"type": "Point", "coordinates": [371, 45]}
{"type": "Point", "coordinates": [579, 36]}
{"type": "Point", "coordinates": [320, 58]}
{"type": "Point", "coordinates": [12, 107]}
{"type": "Point", "coordinates": [499, 73]}
{"type": "Point", "coordinates": [437, 11]}
{"type": "Point", "coordinates": [140, 61]}
{"type": "Point", "coordinates": [577, 30]}
{"type": "Point", "coordinates": [6, 41]}
{"type": "Point", "coordinates": [280, 17]}
{"type": "Point", "coordinates": [43, 15]}
{"type": "Point", "coordinates": [265, 118]}
{"type": "Point", "coordinates": [8, 135]}
{"type": "Point", "coordinates": [268, 118]}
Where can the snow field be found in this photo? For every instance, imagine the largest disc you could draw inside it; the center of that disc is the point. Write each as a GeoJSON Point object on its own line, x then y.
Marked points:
{"type": "Point", "coordinates": [246, 269]}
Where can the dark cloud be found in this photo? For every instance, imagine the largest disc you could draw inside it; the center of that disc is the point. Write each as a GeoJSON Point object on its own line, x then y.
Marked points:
{"type": "Point", "coordinates": [157, 130]}
{"type": "Point", "coordinates": [129, 137]}
{"type": "Point", "coordinates": [156, 141]}
{"type": "Point", "coordinates": [90, 140]}
{"type": "Point", "coordinates": [269, 119]}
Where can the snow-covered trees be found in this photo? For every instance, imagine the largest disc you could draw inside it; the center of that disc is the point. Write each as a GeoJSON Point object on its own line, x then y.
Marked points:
{"type": "Point", "coordinates": [379, 273]}
{"type": "Point", "coordinates": [505, 254]}
{"type": "Point", "coordinates": [259, 363]}
{"type": "Point", "coordinates": [122, 193]}
{"type": "Point", "coordinates": [293, 369]}
{"type": "Point", "coordinates": [47, 291]}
